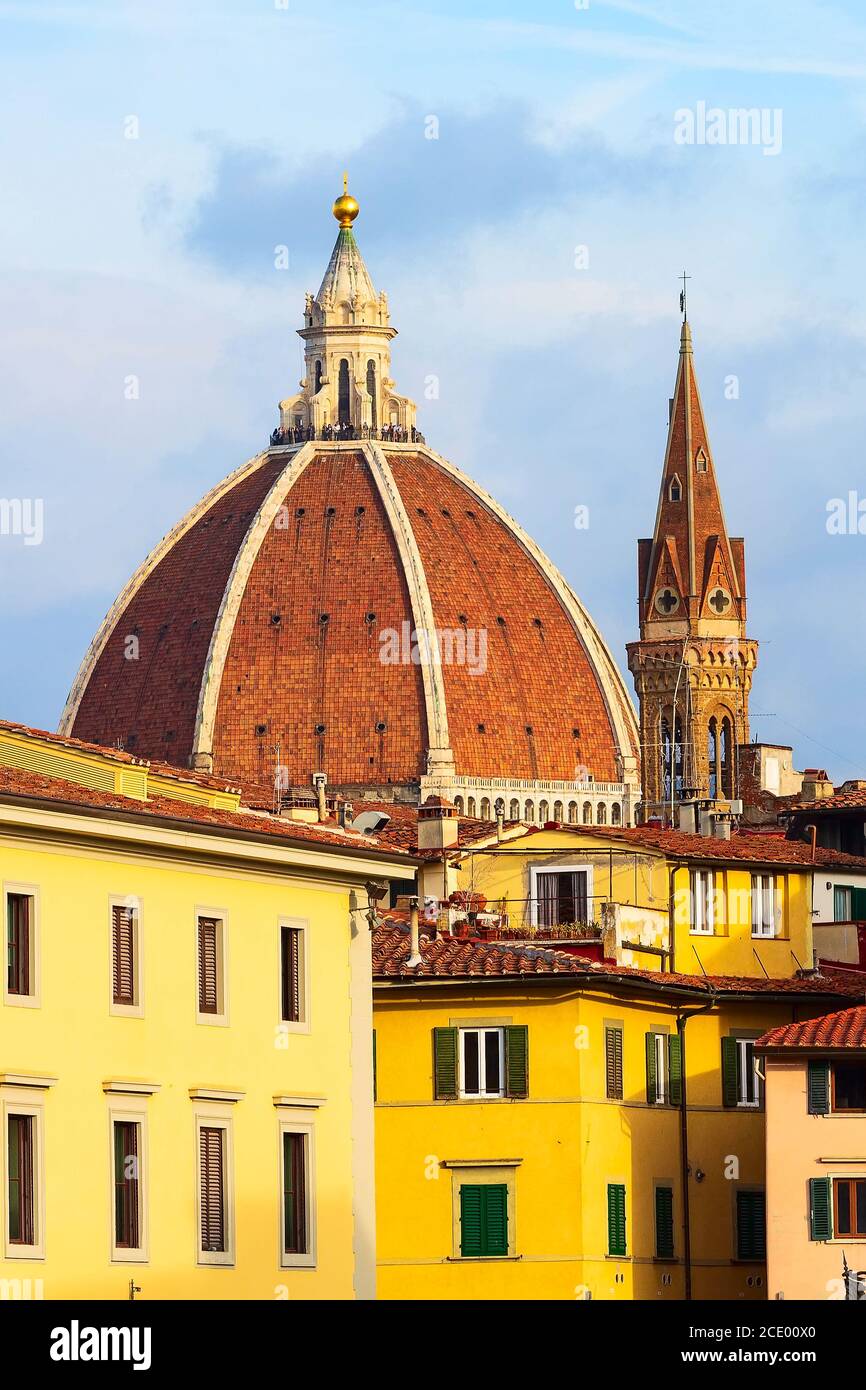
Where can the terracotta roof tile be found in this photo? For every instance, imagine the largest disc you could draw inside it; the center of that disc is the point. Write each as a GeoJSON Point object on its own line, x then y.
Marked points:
{"type": "Point", "coordinates": [19, 785]}
{"type": "Point", "coordinates": [119, 755]}
{"type": "Point", "coordinates": [445, 957]}
{"type": "Point", "coordinates": [844, 1029]}
{"type": "Point", "coordinates": [757, 847]}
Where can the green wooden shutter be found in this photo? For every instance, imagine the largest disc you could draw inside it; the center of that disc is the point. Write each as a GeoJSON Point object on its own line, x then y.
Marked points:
{"type": "Point", "coordinates": [675, 1069]}
{"type": "Point", "coordinates": [483, 1219]}
{"type": "Point", "coordinates": [819, 1088]}
{"type": "Point", "coordinates": [858, 904]}
{"type": "Point", "coordinates": [751, 1226]}
{"type": "Point", "coordinates": [820, 1209]}
{"type": "Point", "coordinates": [730, 1079]}
{"type": "Point", "coordinates": [616, 1218]}
{"type": "Point", "coordinates": [613, 1063]}
{"type": "Point", "coordinates": [471, 1218]}
{"type": "Point", "coordinates": [445, 1043]}
{"type": "Point", "coordinates": [664, 1223]}
{"type": "Point", "coordinates": [517, 1060]}
{"type": "Point", "coordinates": [651, 1085]}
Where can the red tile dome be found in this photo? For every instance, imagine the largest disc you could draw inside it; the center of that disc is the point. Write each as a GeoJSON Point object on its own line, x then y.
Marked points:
{"type": "Point", "coordinates": [281, 611]}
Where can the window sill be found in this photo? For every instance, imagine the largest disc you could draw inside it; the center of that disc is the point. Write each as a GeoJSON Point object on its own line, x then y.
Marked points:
{"type": "Point", "coordinates": [619, 1258]}
{"type": "Point", "coordinates": [22, 1001]}
{"type": "Point", "coordinates": [481, 1259]}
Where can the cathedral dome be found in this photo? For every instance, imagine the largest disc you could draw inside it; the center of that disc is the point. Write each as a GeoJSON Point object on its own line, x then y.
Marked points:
{"type": "Point", "coordinates": [349, 602]}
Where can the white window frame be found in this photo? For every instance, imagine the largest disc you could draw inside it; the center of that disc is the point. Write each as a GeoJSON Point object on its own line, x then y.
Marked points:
{"type": "Point", "coordinates": [211, 1119]}
{"type": "Point", "coordinates": [221, 1018]}
{"type": "Point", "coordinates": [482, 1093]}
{"type": "Point", "coordinates": [33, 1000]}
{"type": "Point", "coordinates": [662, 1068]}
{"type": "Point", "coordinates": [302, 925]}
{"type": "Point", "coordinates": [742, 1073]}
{"type": "Point", "coordinates": [297, 1122]}
{"type": "Point", "coordinates": [536, 869]}
{"type": "Point", "coordinates": [25, 1104]}
{"type": "Point", "coordinates": [128, 1115]}
{"type": "Point", "coordinates": [761, 929]}
{"type": "Point", "coordinates": [135, 1010]}
{"type": "Point", "coordinates": [702, 894]}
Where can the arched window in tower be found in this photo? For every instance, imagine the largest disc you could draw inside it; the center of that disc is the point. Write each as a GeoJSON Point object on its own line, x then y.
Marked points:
{"type": "Point", "coordinates": [601, 817]}
{"type": "Point", "coordinates": [572, 813]}
{"type": "Point", "coordinates": [666, 750]}
{"type": "Point", "coordinates": [317, 379]}
{"type": "Point", "coordinates": [470, 807]}
{"type": "Point", "coordinates": [344, 409]}
{"type": "Point", "coordinates": [678, 755]}
{"type": "Point", "coordinates": [514, 810]}
{"type": "Point", "coordinates": [557, 811]}
{"type": "Point", "coordinates": [713, 756]}
{"type": "Point", "coordinates": [371, 391]}
{"type": "Point", "coordinates": [543, 811]}
{"type": "Point", "coordinates": [675, 489]}
{"type": "Point", "coordinates": [700, 461]}
{"type": "Point", "coordinates": [726, 759]}
{"type": "Point", "coordinates": [485, 808]}
{"type": "Point", "coordinates": [458, 805]}
{"type": "Point", "coordinates": [587, 813]}
{"type": "Point", "coordinates": [615, 814]}
{"type": "Point", "coordinates": [529, 811]}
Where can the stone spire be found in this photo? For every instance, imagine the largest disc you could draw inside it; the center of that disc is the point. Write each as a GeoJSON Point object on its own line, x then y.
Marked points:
{"type": "Point", "coordinates": [347, 335]}
{"type": "Point", "coordinates": [693, 663]}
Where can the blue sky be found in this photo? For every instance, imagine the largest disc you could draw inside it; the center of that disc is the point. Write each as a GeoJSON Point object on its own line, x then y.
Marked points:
{"type": "Point", "coordinates": [154, 257]}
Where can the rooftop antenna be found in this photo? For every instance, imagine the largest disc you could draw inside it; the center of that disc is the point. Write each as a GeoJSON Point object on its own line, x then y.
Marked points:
{"type": "Point", "coordinates": [683, 307]}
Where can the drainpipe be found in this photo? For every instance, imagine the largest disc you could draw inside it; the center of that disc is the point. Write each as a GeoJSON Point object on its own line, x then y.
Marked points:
{"type": "Point", "coordinates": [414, 934]}
{"type": "Point", "coordinates": [682, 1020]}
{"type": "Point", "coordinates": [671, 917]}
{"type": "Point", "coordinates": [813, 837]}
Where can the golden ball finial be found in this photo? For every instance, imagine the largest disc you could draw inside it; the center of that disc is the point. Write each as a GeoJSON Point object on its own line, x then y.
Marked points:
{"type": "Point", "coordinates": [346, 208]}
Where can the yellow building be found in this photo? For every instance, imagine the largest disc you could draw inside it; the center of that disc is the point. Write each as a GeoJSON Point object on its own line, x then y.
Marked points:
{"type": "Point", "coordinates": [816, 1157]}
{"type": "Point", "coordinates": [185, 1036]}
{"type": "Point", "coordinates": [542, 1114]}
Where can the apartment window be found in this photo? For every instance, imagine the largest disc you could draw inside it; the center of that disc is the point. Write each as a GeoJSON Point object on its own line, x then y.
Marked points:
{"type": "Point", "coordinates": [295, 1224]}
{"type": "Point", "coordinates": [849, 1086]}
{"type": "Point", "coordinates": [20, 927]}
{"type": "Point", "coordinates": [664, 1220]}
{"type": "Point", "coordinates": [764, 914]}
{"type": "Point", "coordinates": [214, 1189]}
{"type": "Point", "coordinates": [616, 1234]}
{"type": "Point", "coordinates": [842, 904]}
{"type": "Point", "coordinates": [849, 1208]}
{"type": "Point", "coordinates": [210, 955]}
{"type": "Point", "coordinates": [21, 1179]}
{"type": "Point", "coordinates": [702, 889]}
{"type": "Point", "coordinates": [664, 1072]}
{"type": "Point", "coordinates": [613, 1061]}
{"type": "Point", "coordinates": [127, 1147]}
{"type": "Point", "coordinates": [125, 956]}
{"type": "Point", "coordinates": [740, 1080]}
{"type": "Point", "coordinates": [483, 1220]}
{"type": "Point", "coordinates": [480, 1063]}
{"type": "Point", "coordinates": [292, 974]}
{"type": "Point", "coordinates": [751, 1226]}
{"type": "Point", "coordinates": [561, 897]}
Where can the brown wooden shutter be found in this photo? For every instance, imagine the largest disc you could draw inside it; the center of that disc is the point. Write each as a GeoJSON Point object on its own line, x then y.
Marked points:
{"type": "Point", "coordinates": [18, 943]}
{"type": "Point", "coordinates": [123, 954]}
{"type": "Point", "coordinates": [208, 995]}
{"type": "Point", "coordinates": [295, 1189]}
{"type": "Point", "coordinates": [126, 1170]}
{"type": "Point", "coordinates": [291, 974]}
{"type": "Point", "coordinates": [212, 1179]}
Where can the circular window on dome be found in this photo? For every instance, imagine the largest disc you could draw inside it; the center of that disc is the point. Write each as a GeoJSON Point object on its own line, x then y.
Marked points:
{"type": "Point", "coordinates": [719, 600]}
{"type": "Point", "coordinates": [666, 601]}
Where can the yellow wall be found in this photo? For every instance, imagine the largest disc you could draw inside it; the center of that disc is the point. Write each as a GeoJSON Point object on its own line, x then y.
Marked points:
{"type": "Point", "coordinates": [570, 1140]}
{"type": "Point", "coordinates": [74, 1037]}
{"type": "Point", "coordinates": [637, 880]}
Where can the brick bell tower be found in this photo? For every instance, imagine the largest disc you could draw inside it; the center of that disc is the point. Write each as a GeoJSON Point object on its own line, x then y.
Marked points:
{"type": "Point", "coordinates": [693, 664]}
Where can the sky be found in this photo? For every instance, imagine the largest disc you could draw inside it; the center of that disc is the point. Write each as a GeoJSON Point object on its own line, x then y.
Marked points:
{"type": "Point", "coordinates": [155, 155]}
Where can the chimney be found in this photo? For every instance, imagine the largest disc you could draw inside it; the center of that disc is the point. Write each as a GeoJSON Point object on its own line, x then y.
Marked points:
{"type": "Point", "coordinates": [320, 780]}
{"type": "Point", "coordinates": [438, 823]}
{"type": "Point", "coordinates": [722, 826]}
{"type": "Point", "coordinates": [706, 821]}
{"type": "Point", "coordinates": [687, 817]}
{"type": "Point", "coordinates": [414, 934]}
{"type": "Point", "coordinates": [347, 814]}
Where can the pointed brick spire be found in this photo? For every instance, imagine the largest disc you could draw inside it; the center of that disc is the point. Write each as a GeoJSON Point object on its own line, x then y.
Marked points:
{"type": "Point", "coordinates": [691, 573]}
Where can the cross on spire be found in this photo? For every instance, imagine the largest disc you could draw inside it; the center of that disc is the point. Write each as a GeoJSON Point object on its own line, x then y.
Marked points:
{"type": "Point", "coordinates": [683, 311]}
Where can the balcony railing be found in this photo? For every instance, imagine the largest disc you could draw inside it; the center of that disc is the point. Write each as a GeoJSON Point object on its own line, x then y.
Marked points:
{"type": "Point", "coordinates": [302, 434]}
